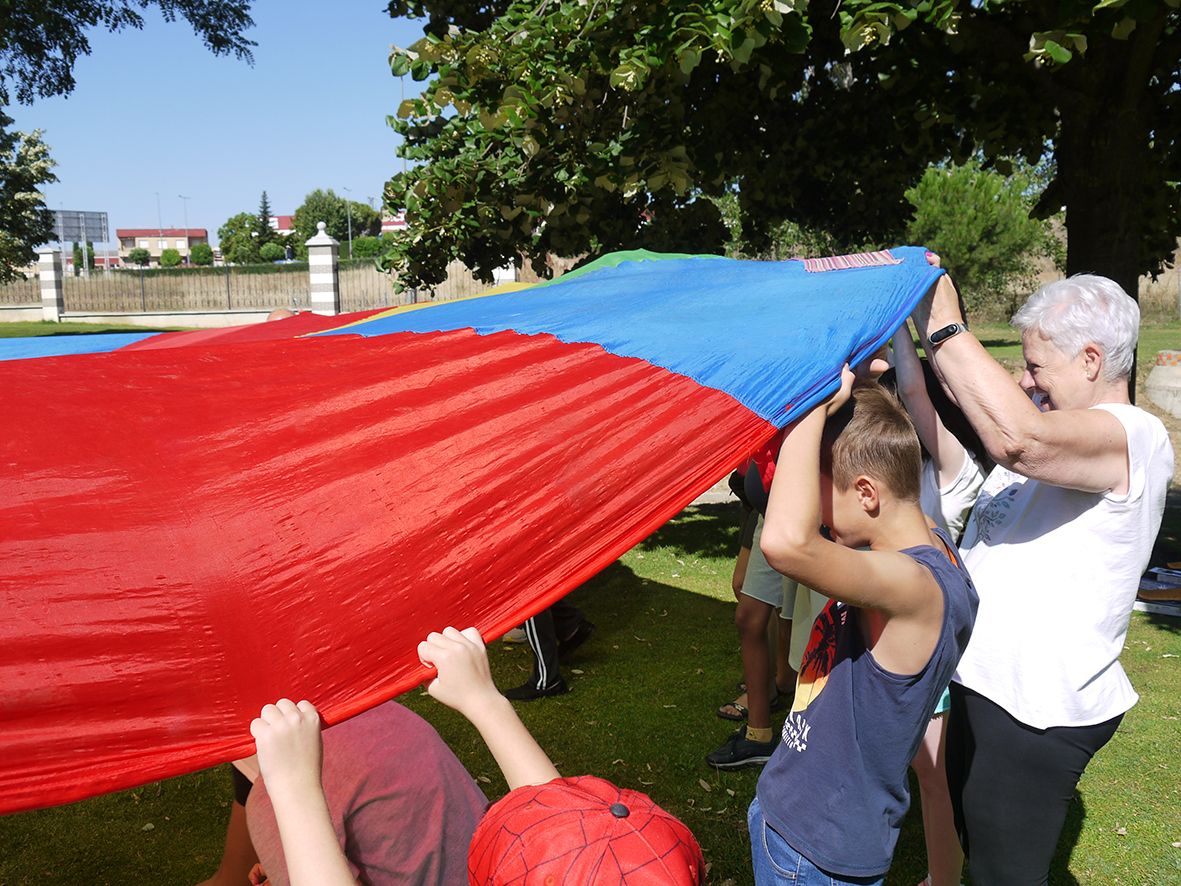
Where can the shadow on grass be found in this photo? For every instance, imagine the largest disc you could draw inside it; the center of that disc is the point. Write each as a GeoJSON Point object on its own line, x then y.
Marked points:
{"type": "Point", "coordinates": [1076, 814]}
{"type": "Point", "coordinates": [706, 530]}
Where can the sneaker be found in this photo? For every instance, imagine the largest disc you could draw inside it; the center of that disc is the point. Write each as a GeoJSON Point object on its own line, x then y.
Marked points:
{"type": "Point", "coordinates": [530, 692]}
{"type": "Point", "coordinates": [738, 751]}
{"type": "Point", "coordinates": [516, 635]}
{"type": "Point", "coordinates": [581, 634]}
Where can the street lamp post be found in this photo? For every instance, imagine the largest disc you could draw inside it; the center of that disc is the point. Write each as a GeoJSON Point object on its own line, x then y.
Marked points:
{"type": "Point", "coordinates": [188, 243]}
{"type": "Point", "coordinates": [159, 228]}
{"type": "Point", "coordinates": [348, 208]}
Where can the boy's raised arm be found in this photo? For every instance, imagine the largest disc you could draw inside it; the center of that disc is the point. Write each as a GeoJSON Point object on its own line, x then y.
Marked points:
{"type": "Point", "coordinates": [465, 684]}
{"type": "Point", "coordinates": [290, 754]}
{"type": "Point", "coordinates": [791, 539]}
{"type": "Point", "coordinates": [946, 451]}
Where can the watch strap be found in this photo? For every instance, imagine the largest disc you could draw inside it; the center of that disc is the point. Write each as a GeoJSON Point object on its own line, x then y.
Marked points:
{"type": "Point", "coordinates": [941, 335]}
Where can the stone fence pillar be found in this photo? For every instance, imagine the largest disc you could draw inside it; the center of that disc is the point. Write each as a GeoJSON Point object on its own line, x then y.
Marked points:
{"type": "Point", "coordinates": [51, 274]}
{"type": "Point", "coordinates": [323, 272]}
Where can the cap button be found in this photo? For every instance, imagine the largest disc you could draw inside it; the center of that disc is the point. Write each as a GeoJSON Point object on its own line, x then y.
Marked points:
{"type": "Point", "coordinates": [619, 810]}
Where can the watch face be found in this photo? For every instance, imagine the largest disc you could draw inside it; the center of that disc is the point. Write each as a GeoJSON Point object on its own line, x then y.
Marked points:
{"type": "Point", "coordinates": [945, 333]}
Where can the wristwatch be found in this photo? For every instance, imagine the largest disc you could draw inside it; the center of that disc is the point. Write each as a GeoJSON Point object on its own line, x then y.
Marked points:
{"type": "Point", "coordinates": [941, 335]}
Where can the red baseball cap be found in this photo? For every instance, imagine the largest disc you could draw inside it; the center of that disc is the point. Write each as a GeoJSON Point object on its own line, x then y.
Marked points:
{"type": "Point", "coordinates": [582, 830]}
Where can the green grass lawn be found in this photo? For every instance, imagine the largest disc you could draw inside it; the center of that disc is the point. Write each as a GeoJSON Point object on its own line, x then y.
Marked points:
{"type": "Point", "coordinates": [642, 714]}
{"type": "Point", "coordinates": [27, 328]}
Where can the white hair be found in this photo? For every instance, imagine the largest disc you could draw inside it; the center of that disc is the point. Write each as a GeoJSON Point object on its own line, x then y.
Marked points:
{"type": "Point", "coordinates": [1081, 310]}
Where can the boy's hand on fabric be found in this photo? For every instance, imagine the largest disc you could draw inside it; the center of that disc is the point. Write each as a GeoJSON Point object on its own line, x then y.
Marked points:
{"type": "Point", "coordinates": [843, 393]}
{"type": "Point", "coordinates": [463, 680]}
{"type": "Point", "coordinates": [290, 751]}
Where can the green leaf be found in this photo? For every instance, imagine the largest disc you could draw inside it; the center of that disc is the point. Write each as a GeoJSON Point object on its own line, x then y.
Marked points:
{"type": "Point", "coordinates": [1060, 54]}
{"type": "Point", "coordinates": [690, 59]}
{"type": "Point", "coordinates": [1123, 29]}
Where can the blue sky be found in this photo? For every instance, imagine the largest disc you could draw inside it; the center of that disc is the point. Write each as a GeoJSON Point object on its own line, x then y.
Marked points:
{"type": "Point", "coordinates": [155, 111]}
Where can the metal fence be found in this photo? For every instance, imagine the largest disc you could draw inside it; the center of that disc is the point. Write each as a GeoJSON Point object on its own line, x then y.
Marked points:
{"type": "Point", "coordinates": [191, 289]}
{"type": "Point", "coordinates": [21, 292]}
{"type": "Point", "coordinates": [234, 288]}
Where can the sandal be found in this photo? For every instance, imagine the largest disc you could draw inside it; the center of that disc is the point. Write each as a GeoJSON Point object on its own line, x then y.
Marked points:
{"type": "Point", "coordinates": [732, 710]}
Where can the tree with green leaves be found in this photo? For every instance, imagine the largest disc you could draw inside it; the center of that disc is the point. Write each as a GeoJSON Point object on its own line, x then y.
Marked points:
{"type": "Point", "coordinates": [139, 256]}
{"type": "Point", "coordinates": [329, 207]}
{"type": "Point", "coordinates": [238, 239]}
{"type": "Point", "coordinates": [25, 223]}
{"type": "Point", "coordinates": [577, 127]}
{"type": "Point", "coordinates": [170, 258]}
{"type": "Point", "coordinates": [271, 252]}
{"type": "Point", "coordinates": [266, 233]}
{"type": "Point", "coordinates": [41, 41]}
{"type": "Point", "coordinates": [979, 220]}
{"type": "Point", "coordinates": [201, 255]}
{"type": "Point", "coordinates": [39, 45]}
{"type": "Point", "coordinates": [91, 262]}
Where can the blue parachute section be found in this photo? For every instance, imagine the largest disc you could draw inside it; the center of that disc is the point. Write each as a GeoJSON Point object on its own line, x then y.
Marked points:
{"type": "Point", "coordinates": [679, 313]}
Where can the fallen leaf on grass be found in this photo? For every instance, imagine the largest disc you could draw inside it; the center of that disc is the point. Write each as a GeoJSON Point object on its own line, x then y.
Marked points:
{"type": "Point", "coordinates": [577, 671]}
{"type": "Point", "coordinates": [1123, 832]}
{"type": "Point", "coordinates": [484, 778]}
{"type": "Point", "coordinates": [148, 827]}
{"type": "Point", "coordinates": [730, 792]}
{"type": "Point", "coordinates": [705, 786]}
{"type": "Point", "coordinates": [668, 705]}
{"type": "Point", "coordinates": [646, 783]}
{"type": "Point", "coordinates": [1176, 844]}
{"type": "Point", "coordinates": [616, 762]}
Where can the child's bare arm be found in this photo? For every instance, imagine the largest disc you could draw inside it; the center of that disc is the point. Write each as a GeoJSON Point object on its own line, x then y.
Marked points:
{"type": "Point", "coordinates": [945, 449]}
{"type": "Point", "coordinates": [289, 754]}
{"type": "Point", "coordinates": [792, 543]}
{"type": "Point", "coordinates": [463, 682]}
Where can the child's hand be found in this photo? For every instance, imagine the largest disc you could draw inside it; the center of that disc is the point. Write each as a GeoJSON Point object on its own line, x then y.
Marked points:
{"type": "Point", "coordinates": [463, 681]}
{"type": "Point", "coordinates": [843, 393]}
{"type": "Point", "coordinates": [290, 753]}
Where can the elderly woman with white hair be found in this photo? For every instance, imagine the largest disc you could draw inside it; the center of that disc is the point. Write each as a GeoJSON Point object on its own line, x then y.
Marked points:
{"type": "Point", "coordinates": [1056, 544]}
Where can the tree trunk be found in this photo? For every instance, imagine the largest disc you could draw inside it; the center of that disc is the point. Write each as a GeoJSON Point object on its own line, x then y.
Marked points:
{"type": "Point", "coordinates": [1103, 155]}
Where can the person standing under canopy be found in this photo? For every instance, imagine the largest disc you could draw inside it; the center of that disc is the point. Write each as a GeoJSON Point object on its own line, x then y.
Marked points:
{"type": "Point", "coordinates": [1057, 542]}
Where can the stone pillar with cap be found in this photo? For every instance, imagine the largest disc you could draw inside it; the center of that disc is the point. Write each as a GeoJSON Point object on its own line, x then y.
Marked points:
{"type": "Point", "coordinates": [323, 272]}
{"type": "Point", "coordinates": [51, 276]}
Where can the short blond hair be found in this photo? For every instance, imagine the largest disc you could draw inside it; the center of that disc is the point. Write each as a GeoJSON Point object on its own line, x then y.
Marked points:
{"type": "Point", "coordinates": [873, 435]}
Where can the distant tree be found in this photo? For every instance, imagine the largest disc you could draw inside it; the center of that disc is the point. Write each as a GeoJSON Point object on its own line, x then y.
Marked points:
{"type": "Point", "coordinates": [239, 239]}
{"type": "Point", "coordinates": [25, 223]}
{"type": "Point", "coordinates": [367, 247]}
{"type": "Point", "coordinates": [321, 206]}
{"type": "Point", "coordinates": [980, 221]}
{"type": "Point", "coordinates": [201, 255]}
{"type": "Point", "coordinates": [170, 258]}
{"type": "Point", "coordinates": [139, 256]}
{"type": "Point", "coordinates": [271, 252]}
{"type": "Point", "coordinates": [90, 260]}
{"type": "Point", "coordinates": [335, 211]}
{"type": "Point", "coordinates": [266, 233]}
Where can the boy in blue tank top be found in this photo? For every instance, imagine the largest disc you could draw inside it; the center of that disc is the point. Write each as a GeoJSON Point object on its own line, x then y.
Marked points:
{"type": "Point", "coordinates": [831, 800]}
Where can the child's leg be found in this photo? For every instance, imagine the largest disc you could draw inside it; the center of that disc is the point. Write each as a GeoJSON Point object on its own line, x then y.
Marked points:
{"type": "Point", "coordinates": [785, 674]}
{"type": "Point", "coordinates": [945, 859]}
{"type": "Point", "coordinates": [751, 618]}
{"type": "Point", "coordinates": [238, 857]}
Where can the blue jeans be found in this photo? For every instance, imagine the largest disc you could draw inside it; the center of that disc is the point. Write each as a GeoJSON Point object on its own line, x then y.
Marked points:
{"type": "Point", "coordinates": [775, 862]}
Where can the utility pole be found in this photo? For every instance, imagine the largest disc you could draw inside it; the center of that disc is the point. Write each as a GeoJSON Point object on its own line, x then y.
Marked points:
{"type": "Point", "coordinates": [348, 208]}
{"type": "Point", "coordinates": [159, 228]}
{"type": "Point", "coordinates": [185, 203]}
